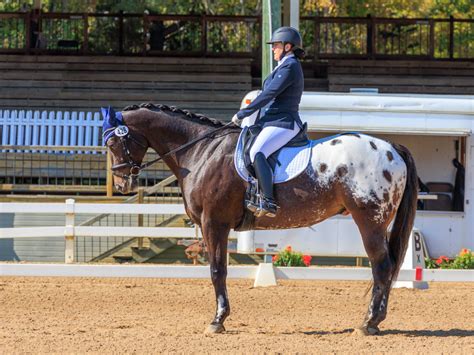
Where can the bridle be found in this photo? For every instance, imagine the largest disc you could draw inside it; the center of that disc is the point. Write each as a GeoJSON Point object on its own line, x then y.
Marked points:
{"type": "Point", "coordinates": [124, 135]}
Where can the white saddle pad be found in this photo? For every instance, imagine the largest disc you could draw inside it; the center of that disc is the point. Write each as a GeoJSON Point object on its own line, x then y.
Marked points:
{"type": "Point", "coordinates": [292, 162]}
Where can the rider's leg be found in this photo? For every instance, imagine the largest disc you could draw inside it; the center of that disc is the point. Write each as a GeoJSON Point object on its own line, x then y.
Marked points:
{"type": "Point", "coordinates": [268, 141]}
{"type": "Point", "coordinates": [264, 173]}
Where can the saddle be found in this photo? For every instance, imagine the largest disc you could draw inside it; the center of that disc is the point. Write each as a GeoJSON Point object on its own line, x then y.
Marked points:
{"type": "Point", "coordinates": [249, 135]}
{"type": "Point", "coordinates": [287, 163]}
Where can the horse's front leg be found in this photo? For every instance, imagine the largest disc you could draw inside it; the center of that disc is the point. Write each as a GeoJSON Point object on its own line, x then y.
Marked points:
{"type": "Point", "coordinates": [215, 236]}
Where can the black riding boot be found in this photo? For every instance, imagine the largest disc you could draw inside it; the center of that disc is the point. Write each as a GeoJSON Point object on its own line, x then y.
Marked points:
{"type": "Point", "coordinates": [264, 173]}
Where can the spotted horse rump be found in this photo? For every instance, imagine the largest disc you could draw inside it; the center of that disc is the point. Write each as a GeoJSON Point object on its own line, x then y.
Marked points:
{"type": "Point", "coordinates": [370, 168]}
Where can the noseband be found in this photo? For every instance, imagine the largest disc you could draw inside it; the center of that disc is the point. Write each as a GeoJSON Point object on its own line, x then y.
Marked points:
{"type": "Point", "coordinates": [123, 133]}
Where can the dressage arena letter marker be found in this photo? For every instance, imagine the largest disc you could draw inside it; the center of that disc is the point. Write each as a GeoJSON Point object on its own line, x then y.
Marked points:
{"type": "Point", "coordinates": [414, 259]}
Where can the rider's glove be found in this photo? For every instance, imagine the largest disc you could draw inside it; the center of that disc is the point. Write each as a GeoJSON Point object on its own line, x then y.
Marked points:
{"type": "Point", "coordinates": [236, 120]}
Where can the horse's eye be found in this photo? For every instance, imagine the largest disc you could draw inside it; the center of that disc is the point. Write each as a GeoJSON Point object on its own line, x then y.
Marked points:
{"type": "Point", "coordinates": [112, 143]}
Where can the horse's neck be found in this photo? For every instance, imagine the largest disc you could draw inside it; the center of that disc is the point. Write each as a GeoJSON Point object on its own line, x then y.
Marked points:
{"type": "Point", "coordinates": [178, 132]}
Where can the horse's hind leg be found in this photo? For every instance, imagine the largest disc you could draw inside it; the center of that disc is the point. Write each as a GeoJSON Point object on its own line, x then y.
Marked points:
{"type": "Point", "coordinates": [215, 236]}
{"type": "Point", "coordinates": [376, 246]}
{"type": "Point", "coordinates": [381, 271]}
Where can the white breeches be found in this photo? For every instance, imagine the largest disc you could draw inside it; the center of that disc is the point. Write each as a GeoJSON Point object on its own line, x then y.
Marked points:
{"type": "Point", "coordinates": [270, 139]}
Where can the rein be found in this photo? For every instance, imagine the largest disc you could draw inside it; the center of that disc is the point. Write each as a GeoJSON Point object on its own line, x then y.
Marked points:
{"type": "Point", "coordinates": [184, 146]}
{"type": "Point", "coordinates": [123, 133]}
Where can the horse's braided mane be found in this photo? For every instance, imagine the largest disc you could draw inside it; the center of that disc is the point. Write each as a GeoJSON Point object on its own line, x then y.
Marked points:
{"type": "Point", "coordinates": [196, 117]}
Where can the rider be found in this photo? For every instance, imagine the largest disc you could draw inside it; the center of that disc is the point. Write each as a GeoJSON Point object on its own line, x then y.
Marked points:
{"type": "Point", "coordinates": [279, 103]}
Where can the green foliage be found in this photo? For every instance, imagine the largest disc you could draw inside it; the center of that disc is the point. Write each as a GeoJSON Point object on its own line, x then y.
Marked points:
{"type": "Point", "coordinates": [173, 7]}
{"type": "Point", "coordinates": [389, 8]}
{"type": "Point", "coordinates": [456, 8]}
{"type": "Point", "coordinates": [288, 257]}
{"type": "Point", "coordinates": [232, 37]}
{"type": "Point", "coordinates": [430, 263]}
{"type": "Point", "coordinates": [352, 8]}
{"type": "Point", "coordinates": [465, 260]}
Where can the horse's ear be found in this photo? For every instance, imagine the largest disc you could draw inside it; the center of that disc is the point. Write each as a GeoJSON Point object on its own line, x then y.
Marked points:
{"type": "Point", "coordinates": [109, 116]}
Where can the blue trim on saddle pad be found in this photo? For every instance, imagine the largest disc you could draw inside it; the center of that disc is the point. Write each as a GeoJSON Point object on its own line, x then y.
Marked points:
{"type": "Point", "coordinates": [112, 120]}
{"type": "Point", "coordinates": [292, 162]}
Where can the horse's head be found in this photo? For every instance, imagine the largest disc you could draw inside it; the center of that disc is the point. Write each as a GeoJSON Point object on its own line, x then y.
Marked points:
{"type": "Point", "coordinates": [127, 149]}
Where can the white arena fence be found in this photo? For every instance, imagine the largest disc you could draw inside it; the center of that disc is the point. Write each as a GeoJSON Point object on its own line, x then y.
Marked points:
{"type": "Point", "coordinates": [70, 231]}
{"type": "Point", "coordinates": [234, 272]}
{"type": "Point", "coordinates": [53, 128]}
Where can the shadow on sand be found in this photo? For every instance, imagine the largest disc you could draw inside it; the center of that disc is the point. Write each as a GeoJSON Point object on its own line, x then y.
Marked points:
{"type": "Point", "coordinates": [409, 333]}
{"type": "Point", "coordinates": [430, 333]}
{"type": "Point", "coordinates": [324, 332]}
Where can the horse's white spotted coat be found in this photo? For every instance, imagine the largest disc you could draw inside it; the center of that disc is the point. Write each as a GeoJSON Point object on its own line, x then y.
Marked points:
{"type": "Point", "coordinates": [361, 163]}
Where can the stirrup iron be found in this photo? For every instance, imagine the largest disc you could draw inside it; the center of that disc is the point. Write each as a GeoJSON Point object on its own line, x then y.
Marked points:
{"type": "Point", "coordinates": [267, 207]}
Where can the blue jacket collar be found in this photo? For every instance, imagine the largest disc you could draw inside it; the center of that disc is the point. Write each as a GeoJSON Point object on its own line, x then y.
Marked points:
{"type": "Point", "coordinates": [285, 58]}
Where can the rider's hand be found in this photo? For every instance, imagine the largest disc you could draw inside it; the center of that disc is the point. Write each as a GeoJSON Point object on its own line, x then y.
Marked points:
{"type": "Point", "coordinates": [236, 120]}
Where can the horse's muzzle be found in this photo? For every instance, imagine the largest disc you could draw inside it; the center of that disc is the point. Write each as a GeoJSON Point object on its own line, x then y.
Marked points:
{"type": "Point", "coordinates": [127, 186]}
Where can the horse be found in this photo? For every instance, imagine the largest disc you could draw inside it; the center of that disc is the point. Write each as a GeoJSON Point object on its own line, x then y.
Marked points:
{"type": "Point", "coordinates": [373, 180]}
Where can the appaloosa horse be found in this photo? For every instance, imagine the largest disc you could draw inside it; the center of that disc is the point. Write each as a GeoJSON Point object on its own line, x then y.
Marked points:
{"type": "Point", "coordinates": [373, 180]}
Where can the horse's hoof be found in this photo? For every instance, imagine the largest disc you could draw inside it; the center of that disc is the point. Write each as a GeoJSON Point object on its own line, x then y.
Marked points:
{"type": "Point", "coordinates": [373, 330]}
{"type": "Point", "coordinates": [366, 331]}
{"type": "Point", "coordinates": [215, 329]}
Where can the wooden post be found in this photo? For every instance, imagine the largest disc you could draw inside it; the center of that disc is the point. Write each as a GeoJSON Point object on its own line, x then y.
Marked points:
{"type": "Point", "coordinates": [141, 198]}
{"type": "Point", "coordinates": [462, 159]}
{"type": "Point", "coordinates": [85, 45]}
{"type": "Point", "coordinates": [69, 232]}
{"type": "Point", "coordinates": [370, 37]}
{"type": "Point", "coordinates": [359, 261]}
{"type": "Point", "coordinates": [28, 43]}
{"type": "Point", "coordinates": [110, 176]}
{"type": "Point", "coordinates": [271, 20]}
{"type": "Point", "coordinates": [197, 237]}
{"type": "Point", "coordinates": [317, 34]}
{"type": "Point", "coordinates": [432, 39]}
{"type": "Point", "coordinates": [291, 13]}
{"type": "Point", "coordinates": [120, 48]}
{"type": "Point", "coordinates": [204, 35]}
{"type": "Point", "coordinates": [451, 37]}
{"type": "Point", "coordinates": [146, 37]}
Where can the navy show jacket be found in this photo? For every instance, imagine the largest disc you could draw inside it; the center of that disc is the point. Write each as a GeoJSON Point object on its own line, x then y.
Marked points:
{"type": "Point", "coordinates": [280, 98]}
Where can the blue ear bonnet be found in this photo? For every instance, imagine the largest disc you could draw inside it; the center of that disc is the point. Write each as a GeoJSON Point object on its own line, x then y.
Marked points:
{"type": "Point", "coordinates": [112, 120]}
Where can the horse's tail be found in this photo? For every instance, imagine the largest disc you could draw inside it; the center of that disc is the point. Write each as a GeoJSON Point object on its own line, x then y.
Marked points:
{"type": "Point", "coordinates": [402, 227]}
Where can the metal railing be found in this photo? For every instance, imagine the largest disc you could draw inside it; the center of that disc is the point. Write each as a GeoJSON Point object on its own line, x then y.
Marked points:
{"type": "Point", "coordinates": [42, 169]}
{"type": "Point", "coordinates": [388, 38]}
{"type": "Point", "coordinates": [129, 34]}
{"type": "Point", "coordinates": [205, 35]}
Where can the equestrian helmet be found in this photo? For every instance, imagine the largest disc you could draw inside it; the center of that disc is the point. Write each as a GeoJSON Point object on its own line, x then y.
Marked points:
{"type": "Point", "coordinates": [287, 34]}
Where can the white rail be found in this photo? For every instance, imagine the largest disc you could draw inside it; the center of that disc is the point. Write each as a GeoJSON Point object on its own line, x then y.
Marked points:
{"type": "Point", "coordinates": [91, 208]}
{"type": "Point", "coordinates": [70, 231]}
{"type": "Point", "coordinates": [90, 231]}
{"type": "Point", "coordinates": [234, 272]}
